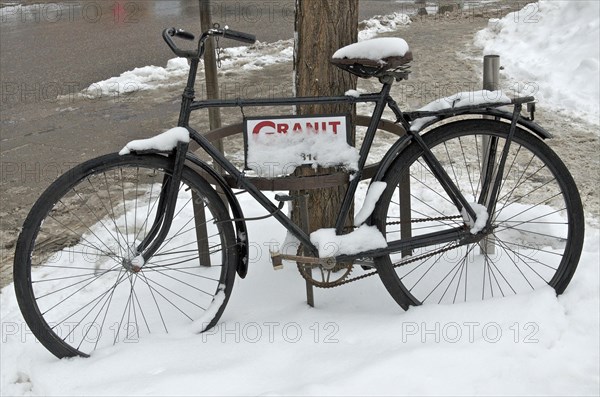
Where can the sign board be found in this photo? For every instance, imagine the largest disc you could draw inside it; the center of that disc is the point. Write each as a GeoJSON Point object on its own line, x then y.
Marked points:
{"type": "Point", "coordinates": [285, 142]}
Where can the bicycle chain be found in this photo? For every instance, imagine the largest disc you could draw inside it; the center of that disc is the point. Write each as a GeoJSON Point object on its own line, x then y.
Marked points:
{"type": "Point", "coordinates": [440, 218]}
{"type": "Point", "coordinates": [402, 263]}
{"type": "Point", "coordinates": [395, 265]}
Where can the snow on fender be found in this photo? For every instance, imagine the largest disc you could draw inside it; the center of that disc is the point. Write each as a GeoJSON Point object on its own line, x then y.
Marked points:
{"type": "Point", "coordinates": [164, 142]}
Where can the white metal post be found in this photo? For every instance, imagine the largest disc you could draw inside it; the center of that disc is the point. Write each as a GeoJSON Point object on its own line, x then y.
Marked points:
{"type": "Point", "coordinates": [491, 82]}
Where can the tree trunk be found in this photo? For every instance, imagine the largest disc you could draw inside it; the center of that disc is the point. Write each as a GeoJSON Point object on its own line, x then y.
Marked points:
{"type": "Point", "coordinates": [322, 27]}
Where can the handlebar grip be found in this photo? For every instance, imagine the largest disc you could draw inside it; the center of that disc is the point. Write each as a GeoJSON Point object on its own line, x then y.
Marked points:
{"type": "Point", "coordinates": [183, 34]}
{"type": "Point", "coordinates": [239, 36]}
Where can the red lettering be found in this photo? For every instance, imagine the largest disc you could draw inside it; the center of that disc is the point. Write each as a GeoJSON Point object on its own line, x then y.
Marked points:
{"type": "Point", "coordinates": [258, 127]}
{"type": "Point", "coordinates": [270, 127]}
{"type": "Point", "coordinates": [282, 128]}
{"type": "Point", "coordinates": [313, 128]}
{"type": "Point", "coordinates": [335, 124]}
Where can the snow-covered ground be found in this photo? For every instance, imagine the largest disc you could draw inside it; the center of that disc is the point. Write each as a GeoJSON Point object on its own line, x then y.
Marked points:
{"type": "Point", "coordinates": [551, 49]}
{"type": "Point", "coordinates": [356, 341]}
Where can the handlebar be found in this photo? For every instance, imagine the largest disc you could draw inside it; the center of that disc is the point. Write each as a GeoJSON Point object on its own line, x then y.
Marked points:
{"type": "Point", "coordinates": [168, 33]}
{"type": "Point", "coordinates": [239, 36]}
{"type": "Point", "coordinates": [222, 32]}
{"type": "Point", "coordinates": [183, 34]}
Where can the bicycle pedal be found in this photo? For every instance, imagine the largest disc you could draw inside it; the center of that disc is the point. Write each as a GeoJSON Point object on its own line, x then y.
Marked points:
{"type": "Point", "coordinates": [277, 261]}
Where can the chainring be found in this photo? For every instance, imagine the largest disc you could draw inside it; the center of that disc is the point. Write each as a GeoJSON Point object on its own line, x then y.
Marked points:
{"type": "Point", "coordinates": [320, 276]}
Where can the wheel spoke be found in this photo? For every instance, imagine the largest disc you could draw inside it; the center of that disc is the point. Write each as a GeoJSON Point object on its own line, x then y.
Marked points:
{"type": "Point", "coordinates": [92, 296]}
{"type": "Point", "coordinates": [533, 240]}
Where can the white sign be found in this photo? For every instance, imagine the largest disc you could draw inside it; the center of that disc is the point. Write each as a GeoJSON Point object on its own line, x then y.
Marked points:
{"type": "Point", "coordinates": [277, 145]}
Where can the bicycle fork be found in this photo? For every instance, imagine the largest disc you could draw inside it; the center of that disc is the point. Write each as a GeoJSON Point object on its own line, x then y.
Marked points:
{"type": "Point", "coordinates": [170, 184]}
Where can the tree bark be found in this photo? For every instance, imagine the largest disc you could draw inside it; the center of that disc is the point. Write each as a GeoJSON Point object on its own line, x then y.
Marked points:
{"type": "Point", "coordinates": [322, 27]}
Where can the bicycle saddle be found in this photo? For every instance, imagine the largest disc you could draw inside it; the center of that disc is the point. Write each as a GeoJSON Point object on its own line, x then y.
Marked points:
{"type": "Point", "coordinates": [373, 58]}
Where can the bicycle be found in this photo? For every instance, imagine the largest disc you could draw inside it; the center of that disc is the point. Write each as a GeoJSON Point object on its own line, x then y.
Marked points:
{"type": "Point", "coordinates": [460, 208]}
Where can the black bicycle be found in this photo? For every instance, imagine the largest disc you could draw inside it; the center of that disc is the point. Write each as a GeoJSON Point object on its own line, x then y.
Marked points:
{"type": "Point", "coordinates": [468, 204]}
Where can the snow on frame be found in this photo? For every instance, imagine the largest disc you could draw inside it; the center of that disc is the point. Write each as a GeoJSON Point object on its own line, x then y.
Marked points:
{"type": "Point", "coordinates": [481, 217]}
{"type": "Point", "coordinates": [375, 191]}
{"type": "Point", "coordinates": [362, 239]}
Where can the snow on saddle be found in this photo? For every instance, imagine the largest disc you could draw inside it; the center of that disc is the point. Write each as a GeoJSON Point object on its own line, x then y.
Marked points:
{"type": "Point", "coordinates": [375, 58]}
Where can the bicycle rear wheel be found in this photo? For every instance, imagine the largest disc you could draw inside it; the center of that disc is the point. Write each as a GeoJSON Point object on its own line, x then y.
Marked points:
{"type": "Point", "coordinates": [538, 221]}
{"type": "Point", "coordinates": [73, 276]}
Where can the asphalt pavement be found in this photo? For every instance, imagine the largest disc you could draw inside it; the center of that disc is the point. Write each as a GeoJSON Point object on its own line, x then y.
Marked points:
{"type": "Point", "coordinates": [64, 46]}
{"type": "Point", "coordinates": [52, 51]}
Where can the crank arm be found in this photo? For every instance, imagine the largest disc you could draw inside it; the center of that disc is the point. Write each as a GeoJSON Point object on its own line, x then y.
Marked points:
{"type": "Point", "coordinates": [278, 258]}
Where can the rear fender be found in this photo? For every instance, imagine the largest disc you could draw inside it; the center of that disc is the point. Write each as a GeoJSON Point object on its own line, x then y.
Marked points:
{"type": "Point", "coordinates": [523, 122]}
{"type": "Point", "coordinates": [401, 144]}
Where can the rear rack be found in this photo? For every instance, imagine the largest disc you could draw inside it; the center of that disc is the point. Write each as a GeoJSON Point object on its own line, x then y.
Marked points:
{"type": "Point", "coordinates": [417, 114]}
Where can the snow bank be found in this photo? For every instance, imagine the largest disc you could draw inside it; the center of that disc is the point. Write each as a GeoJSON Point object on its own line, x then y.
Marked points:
{"type": "Point", "coordinates": [257, 56]}
{"type": "Point", "coordinates": [551, 50]}
{"type": "Point", "coordinates": [139, 79]}
{"type": "Point", "coordinates": [381, 24]}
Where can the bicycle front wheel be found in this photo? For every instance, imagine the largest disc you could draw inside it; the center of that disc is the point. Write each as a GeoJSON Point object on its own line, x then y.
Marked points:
{"type": "Point", "coordinates": [73, 276]}
{"type": "Point", "coordinates": [537, 224]}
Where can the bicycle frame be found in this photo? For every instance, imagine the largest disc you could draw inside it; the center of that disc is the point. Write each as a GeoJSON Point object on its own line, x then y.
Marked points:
{"type": "Point", "coordinates": [152, 239]}
{"type": "Point", "coordinates": [381, 100]}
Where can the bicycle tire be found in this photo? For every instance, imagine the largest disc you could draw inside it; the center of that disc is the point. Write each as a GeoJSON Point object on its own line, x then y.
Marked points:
{"type": "Point", "coordinates": [538, 219]}
{"type": "Point", "coordinates": [70, 275]}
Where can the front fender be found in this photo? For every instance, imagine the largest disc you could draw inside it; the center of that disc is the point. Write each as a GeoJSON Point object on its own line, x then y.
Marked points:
{"type": "Point", "coordinates": [241, 231]}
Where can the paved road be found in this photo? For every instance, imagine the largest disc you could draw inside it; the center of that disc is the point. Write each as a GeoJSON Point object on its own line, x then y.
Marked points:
{"type": "Point", "coordinates": [59, 48]}
{"type": "Point", "coordinates": [69, 45]}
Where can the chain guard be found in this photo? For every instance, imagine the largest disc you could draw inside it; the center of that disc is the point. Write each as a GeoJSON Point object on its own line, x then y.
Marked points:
{"type": "Point", "coordinates": [306, 270]}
